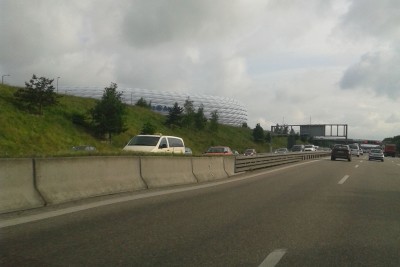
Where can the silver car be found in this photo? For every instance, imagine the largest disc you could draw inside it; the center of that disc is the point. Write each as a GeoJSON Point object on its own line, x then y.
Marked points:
{"type": "Point", "coordinates": [376, 154]}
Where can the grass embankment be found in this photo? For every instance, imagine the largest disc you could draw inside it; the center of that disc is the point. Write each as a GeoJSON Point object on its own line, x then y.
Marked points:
{"type": "Point", "coordinates": [54, 134]}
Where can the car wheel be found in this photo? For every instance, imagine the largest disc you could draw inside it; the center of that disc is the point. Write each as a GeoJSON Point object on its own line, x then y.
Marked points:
{"type": "Point", "coordinates": [382, 160]}
{"type": "Point", "coordinates": [349, 159]}
{"type": "Point", "coordinates": [332, 158]}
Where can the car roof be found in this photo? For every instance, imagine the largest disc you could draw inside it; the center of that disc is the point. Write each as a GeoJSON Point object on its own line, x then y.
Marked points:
{"type": "Point", "coordinates": [158, 135]}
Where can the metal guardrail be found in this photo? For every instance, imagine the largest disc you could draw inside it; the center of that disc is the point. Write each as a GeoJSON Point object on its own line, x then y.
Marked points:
{"type": "Point", "coordinates": [261, 161]}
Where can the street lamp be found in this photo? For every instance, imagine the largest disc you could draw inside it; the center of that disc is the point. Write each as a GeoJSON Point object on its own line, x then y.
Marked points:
{"type": "Point", "coordinates": [2, 78]}
{"type": "Point", "coordinates": [57, 84]}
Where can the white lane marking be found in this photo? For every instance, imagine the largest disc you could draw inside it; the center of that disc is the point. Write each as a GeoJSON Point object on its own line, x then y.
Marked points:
{"type": "Point", "coordinates": [343, 179]}
{"type": "Point", "coordinates": [82, 207]}
{"type": "Point", "coordinates": [273, 258]}
{"type": "Point", "coordinates": [357, 166]}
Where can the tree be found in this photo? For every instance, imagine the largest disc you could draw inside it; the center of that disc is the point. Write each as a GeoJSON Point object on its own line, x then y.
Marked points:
{"type": "Point", "coordinates": [200, 119]}
{"type": "Point", "coordinates": [175, 116]}
{"type": "Point", "coordinates": [108, 116]}
{"type": "Point", "coordinates": [143, 103]}
{"type": "Point", "coordinates": [268, 137]}
{"type": "Point", "coordinates": [148, 128]}
{"type": "Point", "coordinates": [189, 113]}
{"type": "Point", "coordinates": [291, 140]}
{"type": "Point", "coordinates": [37, 94]}
{"type": "Point", "coordinates": [214, 121]}
{"type": "Point", "coordinates": [258, 133]}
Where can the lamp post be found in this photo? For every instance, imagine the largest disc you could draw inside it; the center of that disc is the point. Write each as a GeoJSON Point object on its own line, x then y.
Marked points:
{"type": "Point", "coordinates": [57, 84]}
{"type": "Point", "coordinates": [2, 78]}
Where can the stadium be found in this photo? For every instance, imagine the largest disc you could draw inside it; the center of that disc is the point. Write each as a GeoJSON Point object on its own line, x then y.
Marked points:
{"type": "Point", "coordinates": [230, 111]}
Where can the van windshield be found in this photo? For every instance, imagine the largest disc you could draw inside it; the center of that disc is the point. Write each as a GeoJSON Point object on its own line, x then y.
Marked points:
{"type": "Point", "coordinates": [141, 140]}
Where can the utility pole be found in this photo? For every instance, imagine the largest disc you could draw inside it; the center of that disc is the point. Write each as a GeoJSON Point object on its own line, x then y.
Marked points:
{"type": "Point", "coordinates": [2, 78]}
{"type": "Point", "coordinates": [57, 84]}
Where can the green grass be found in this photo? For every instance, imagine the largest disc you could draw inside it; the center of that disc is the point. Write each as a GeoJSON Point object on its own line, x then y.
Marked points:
{"type": "Point", "coordinates": [54, 134]}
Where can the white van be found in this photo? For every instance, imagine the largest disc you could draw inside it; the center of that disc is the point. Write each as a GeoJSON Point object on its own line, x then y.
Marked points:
{"type": "Point", "coordinates": [156, 144]}
{"type": "Point", "coordinates": [355, 149]}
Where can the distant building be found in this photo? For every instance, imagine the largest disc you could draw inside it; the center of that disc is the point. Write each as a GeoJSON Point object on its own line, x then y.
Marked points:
{"type": "Point", "coordinates": [230, 111]}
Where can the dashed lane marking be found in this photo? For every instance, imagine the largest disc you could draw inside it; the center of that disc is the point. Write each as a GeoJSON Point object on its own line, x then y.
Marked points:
{"type": "Point", "coordinates": [273, 258]}
{"type": "Point", "coordinates": [343, 179]}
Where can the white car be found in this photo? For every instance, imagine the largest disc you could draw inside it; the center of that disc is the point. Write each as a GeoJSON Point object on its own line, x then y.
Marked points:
{"type": "Point", "coordinates": [281, 151]}
{"type": "Point", "coordinates": [156, 144]}
{"type": "Point", "coordinates": [309, 148]}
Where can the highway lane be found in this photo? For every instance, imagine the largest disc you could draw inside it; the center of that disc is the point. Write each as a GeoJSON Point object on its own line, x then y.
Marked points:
{"type": "Point", "coordinates": [307, 215]}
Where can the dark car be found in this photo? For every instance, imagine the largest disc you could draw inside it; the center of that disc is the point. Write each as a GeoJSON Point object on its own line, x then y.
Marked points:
{"type": "Point", "coordinates": [219, 151]}
{"type": "Point", "coordinates": [341, 151]}
{"type": "Point", "coordinates": [250, 152]}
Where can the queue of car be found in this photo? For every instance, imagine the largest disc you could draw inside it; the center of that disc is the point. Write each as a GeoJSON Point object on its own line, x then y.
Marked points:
{"type": "Point", "coordinates": [347, 151]}
{"type": "Point", "coordinates": [159, 143]}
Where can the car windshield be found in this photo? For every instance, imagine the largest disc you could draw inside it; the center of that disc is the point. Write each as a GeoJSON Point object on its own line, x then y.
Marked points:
{"type": "Point", "coordinates": [141, 140]}
{"type": "Point", "coordinates": [376, 151]}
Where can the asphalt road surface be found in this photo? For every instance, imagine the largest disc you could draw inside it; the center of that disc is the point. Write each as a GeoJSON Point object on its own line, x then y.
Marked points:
{"type": "Point", "coordinates": [317, 213]}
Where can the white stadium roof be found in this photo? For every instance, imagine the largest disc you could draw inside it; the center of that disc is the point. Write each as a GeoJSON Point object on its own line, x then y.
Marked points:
{"type": "Point", "coordinates": [230, 111]}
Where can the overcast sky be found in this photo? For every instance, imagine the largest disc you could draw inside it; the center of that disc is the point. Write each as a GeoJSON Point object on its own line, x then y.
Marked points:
{"type": "Point", "coordinates": [287, 61]}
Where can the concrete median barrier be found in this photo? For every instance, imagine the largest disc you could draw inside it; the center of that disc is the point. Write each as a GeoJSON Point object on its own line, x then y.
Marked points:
{"type": "Point", "coordinates": [167, 171]}
{"type": "Point", "coordinates": [66, 179]}
{"type": "Point", "coordinates": [229, 165]}
{"type": "Point", "coordinates": [209, 168]}
{"type": "Point", "coordinates": [17, 190]}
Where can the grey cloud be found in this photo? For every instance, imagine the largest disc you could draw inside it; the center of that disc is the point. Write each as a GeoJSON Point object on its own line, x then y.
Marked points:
{"type": "Point", "coordinates": [371, 18]}
{"type": "Point", "coordinates": [393, 118]}
{"type": "Point", "coordinates": [376, 71]}
{"type": "Point", "coordinates": [150, 23]}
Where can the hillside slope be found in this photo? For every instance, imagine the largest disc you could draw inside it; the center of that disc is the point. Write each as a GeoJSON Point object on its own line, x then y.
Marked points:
{"type": "Point", "coordinates": [26, 135]}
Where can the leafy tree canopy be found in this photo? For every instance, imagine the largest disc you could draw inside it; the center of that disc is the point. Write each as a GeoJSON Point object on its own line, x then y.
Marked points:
{"type": "Point", "coordinates": [108, 116]}
{"type": "Point", "coordinates": [37, 94]}
{"type": "Point", "coordinates": [214, 121]}
{"type": "Point", "coordinates": [143, 103]}
{"type": "Point", "coordinates": [258, 133]}
{"type": "Point", "coordinates": [175, 116]}
{"type": "Point", "coordinates": [200, 119]}
{"type": "Point", "coordinates": [148, 128]}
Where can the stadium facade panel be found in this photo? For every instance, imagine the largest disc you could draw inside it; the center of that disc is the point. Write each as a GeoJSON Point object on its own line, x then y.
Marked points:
{"type": "Point", "coordinates": [230, 111]}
